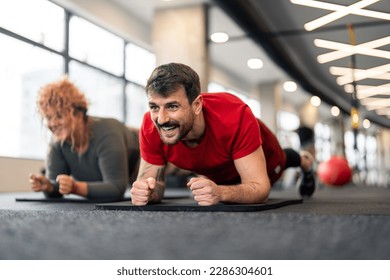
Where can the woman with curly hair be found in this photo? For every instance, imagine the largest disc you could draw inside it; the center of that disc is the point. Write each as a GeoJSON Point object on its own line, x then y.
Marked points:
{"type": "Point", "coordinates": [93, 157]}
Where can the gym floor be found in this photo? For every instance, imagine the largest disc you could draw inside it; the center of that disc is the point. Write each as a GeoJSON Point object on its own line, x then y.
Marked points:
{"type": "Point", "coordinates": [345, 223]}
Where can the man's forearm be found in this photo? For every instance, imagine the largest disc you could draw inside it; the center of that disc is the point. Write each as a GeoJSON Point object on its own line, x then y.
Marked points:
{"type": "Point", "coordinates": [245, 193]}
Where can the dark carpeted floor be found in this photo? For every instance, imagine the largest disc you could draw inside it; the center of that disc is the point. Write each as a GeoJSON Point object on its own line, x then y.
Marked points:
{"type": "Point", "coordinates": [348, 223]}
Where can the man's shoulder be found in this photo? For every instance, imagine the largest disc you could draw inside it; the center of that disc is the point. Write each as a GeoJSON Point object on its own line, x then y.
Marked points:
{"type": "Point", "coordinates": [221, 96]}
{"type": "Point", "coordinates": [224, 106]}
{"type": "Point", "coordinates": [148, 125]}
{"type": "Point", "coordinates": [223, 101]}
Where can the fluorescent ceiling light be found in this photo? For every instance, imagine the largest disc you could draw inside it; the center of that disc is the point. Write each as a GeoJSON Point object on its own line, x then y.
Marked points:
{"type": "Point", "coordinates": [348, 88]}
{"type": "Point", "coordinates": [381, 102]}
{"type": "Point", "coordinates": [370, 100]}
{"type": "Point", "coordinates": [315, 101]}
{"type": "Point", "coordinates": [366, 123]}
{"type": "Point", "coordinates": [369, 73]}
{"type": "Point", "coordinates": [377, 107]}
{"type": "Point", "coordinates": [344, 50]}
{"type": "Point", "coordinates": [339, 11]}
{"type": "Point", "coordinates": [290, 86]}
{"type": "Point", "coordinates": [255, 63]}
{"type": "Point", "coordinates": [360, 95]}
{"type": "Point", "coordinates": [364, 91]}
{"type": "Point", "coordinates": [384, 111]}
{"type": "Point", "coordinates": [359, 88]}
{"type": "Point", "coordinates": [382, 89]}
{"type": "Point", "coordinates": [377, 103]}
{"type": "Point", "coordinates": [341, 71]}
{"type": "Point", "coordinates": [347, 76]}
{"type": "Point", "coordinates": [219, 37]}
{"type": "Point", "coordinates": [335, 111]}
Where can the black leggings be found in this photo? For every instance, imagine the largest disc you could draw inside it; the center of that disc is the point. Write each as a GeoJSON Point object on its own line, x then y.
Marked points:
{"type": "Point", "coordinates": [293, 159]}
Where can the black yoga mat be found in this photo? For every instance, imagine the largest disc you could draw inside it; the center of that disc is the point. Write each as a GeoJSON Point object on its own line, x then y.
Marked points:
{"type": "Point", "coordinates": [189, 205]}
{"type": "Point", "coordinates": [67, 199]}
{"type": "Point", "coordinates": [39, 197]}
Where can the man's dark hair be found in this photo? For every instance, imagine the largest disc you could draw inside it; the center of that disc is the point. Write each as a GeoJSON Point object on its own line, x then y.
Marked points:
{"type": "Point", "coordinates": [168, 78]}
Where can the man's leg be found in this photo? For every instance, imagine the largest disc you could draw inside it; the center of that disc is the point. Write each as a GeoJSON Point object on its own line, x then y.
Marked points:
{"type": "Point", "coordinates": [305, 161]}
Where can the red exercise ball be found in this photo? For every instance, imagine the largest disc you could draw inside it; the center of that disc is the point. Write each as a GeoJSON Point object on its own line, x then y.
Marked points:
{"type": "Point", "coordinates": [335, 171]}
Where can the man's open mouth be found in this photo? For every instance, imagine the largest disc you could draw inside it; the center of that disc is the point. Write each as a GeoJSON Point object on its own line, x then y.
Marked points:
{"type": "Point", "coordinates": [169, 128]}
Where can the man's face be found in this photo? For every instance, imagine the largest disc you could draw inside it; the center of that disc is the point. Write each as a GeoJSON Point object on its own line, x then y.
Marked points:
{"type": "Point", "coordinates": [172, 115]}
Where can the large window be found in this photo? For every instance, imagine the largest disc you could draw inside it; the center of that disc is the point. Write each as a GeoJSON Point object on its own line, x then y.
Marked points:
{"type": "Point", "coordinates": [363, 157]}
{"type": "Point", "coordinates": [96, 46]}
{"type": "Point", "coordinates": [33, 52]}
{"type": "Point", "coordinates": [38, 20]}
{"type": "Point", "coordinates": [139, 64]}
{"type": "Point", "coordinates": [104, 92]}
{"type": "Point", "coordinates": [288, 123]}
{"type": "Point", "coordinates": [23, 69]}
{"type": "Point", "coordinates": [137, 105]}
{"type": "Point", "coordinates": [322, 142]}
{"type": "Point", "coordinates": [372, 160]}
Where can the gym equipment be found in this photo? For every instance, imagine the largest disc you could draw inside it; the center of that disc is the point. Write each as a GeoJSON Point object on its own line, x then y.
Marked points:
{"type": "Point", "coordinates": [335, 171]}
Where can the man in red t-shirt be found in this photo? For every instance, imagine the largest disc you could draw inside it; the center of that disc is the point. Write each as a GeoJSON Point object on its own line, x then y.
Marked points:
{"type": "Point", "coordinates": [214, 135]}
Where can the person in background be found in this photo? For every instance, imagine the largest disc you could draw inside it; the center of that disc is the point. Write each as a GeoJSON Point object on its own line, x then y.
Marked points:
{"type": "Point", "coordinates": [306, 138]}
{"type": "Point", "coordinates": [92, 157]}
{"type": "Point", "coordinates": [214, 135]}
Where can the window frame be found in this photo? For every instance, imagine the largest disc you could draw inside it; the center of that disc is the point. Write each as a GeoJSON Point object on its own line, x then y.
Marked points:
{"type": "Point", "coordinates": [65, 54]}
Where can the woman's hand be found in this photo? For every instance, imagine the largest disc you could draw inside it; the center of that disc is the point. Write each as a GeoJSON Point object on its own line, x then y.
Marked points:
{"type": "Point", "coordinates": [66, 184]}
{"type": "Point", "coordinates": [40, 183]}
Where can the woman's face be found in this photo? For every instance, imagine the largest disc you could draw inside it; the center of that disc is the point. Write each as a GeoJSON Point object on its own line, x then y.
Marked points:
{"type": "Point", "coordinates": [59, 125]}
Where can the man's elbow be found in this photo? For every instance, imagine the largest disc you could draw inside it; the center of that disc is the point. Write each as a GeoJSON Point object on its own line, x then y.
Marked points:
{"type": "Point", "coordinates": [263, 192]}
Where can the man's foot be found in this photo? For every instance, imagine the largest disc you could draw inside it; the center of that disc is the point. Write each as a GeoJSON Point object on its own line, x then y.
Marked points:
{"type": "Point", "coordinates": [307, 184]}
{"type": "Point", "coordinates": [307, 161]}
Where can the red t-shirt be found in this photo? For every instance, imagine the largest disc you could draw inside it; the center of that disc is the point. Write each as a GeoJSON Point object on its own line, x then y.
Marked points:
{"type": "Point", "coordinates": [232, 132]}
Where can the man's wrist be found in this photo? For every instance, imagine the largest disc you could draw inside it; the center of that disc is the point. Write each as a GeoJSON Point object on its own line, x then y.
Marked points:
{"type": "Point", "coordinates": [157, 193]}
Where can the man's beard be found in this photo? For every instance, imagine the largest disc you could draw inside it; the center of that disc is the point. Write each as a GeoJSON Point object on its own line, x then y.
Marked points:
{"type": "Point", "coordinates": [171, 133]}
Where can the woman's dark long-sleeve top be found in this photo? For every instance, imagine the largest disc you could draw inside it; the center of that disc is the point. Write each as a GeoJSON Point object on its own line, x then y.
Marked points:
{"type": "Point", "coordinates": [107, 165]}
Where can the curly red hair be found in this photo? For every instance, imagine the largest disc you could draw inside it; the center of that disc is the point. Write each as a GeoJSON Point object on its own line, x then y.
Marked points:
{"type": "Point", "coordinates": [62, 99]}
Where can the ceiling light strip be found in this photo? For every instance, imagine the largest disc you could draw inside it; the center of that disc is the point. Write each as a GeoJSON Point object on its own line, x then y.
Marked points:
{"type": "Point", "coordinates": [378, 90]}
{"type": "Point", "coordinates": [382, 102]}
{"type": "Point", "coordinates": [369, 73]}
{"type": "Point", "coordinates": [343, 50]}
{"type": "Point", "coordinates": [367, 101]}
{"type": "Point", "coordinates": [341, 71]}
{"type": "Point", "coordinates": [366, 92]}
{"type": "Point", "coordinates": [339, 11]}
{"type": "Point", "coordinates": [383, 111]}
{"type": "Point", "coordinates": [371, 108]}
{"type": "Point", "coordinates": [361, 96]}
{"type": "Point", "coordinates": [336, 7]}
